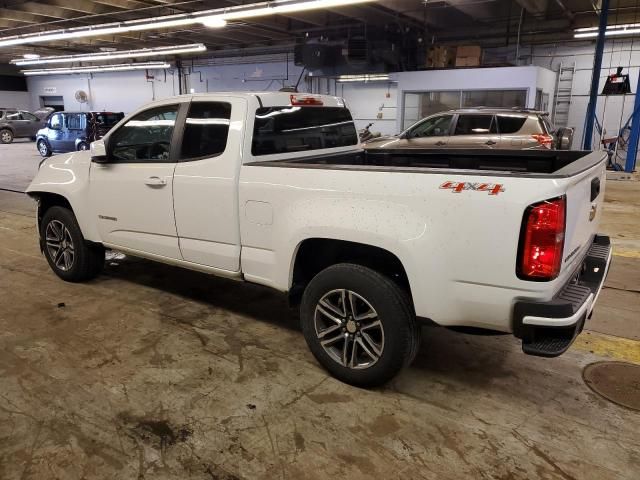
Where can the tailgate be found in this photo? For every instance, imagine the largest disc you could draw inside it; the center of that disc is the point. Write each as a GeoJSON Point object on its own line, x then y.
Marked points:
{"type": "Point", "coordinates": [585, 196]}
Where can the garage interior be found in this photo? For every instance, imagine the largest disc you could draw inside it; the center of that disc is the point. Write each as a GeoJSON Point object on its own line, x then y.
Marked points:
{"type": "Point", "coordinates": [150, 371]}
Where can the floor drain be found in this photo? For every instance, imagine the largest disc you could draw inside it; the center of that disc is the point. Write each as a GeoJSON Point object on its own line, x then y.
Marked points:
{"type": "Point", "coordinates": [618, 382]}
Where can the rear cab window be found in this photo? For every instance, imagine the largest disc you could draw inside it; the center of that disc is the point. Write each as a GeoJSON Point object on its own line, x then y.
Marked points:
{"type": "Point", "coordinates": [288, 129]}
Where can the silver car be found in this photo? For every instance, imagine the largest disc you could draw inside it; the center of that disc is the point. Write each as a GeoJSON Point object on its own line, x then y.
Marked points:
{"type": "Point", "coordinates": [16, 123]}
{"type": "Point", "coordinates": [480, 128]}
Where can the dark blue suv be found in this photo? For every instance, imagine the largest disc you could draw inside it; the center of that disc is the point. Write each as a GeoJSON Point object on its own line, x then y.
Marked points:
{"type": "Point", "coordinates": [71, 131]}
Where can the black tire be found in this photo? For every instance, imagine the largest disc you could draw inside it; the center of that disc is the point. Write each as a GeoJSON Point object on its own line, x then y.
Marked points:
{"type": "Point", "coordinates": [43, 148]}
{"type": "Point", "coordinates": [374, 293]}
{"type": "Point", "coordinates": [6, 136]}
{"type": "Point", "coordinates": [82, 146]}
{"type": "Point", "coordinates": [87, 258]}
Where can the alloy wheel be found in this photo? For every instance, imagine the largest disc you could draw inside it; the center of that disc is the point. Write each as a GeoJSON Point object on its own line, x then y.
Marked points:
{"type": "Point", "coordinates": [6, 136]}
{"type": "Point", "coordinates": [42, 148]}
{"type": "Point", "coordinates": [348, 328]}
{"type": "Point", "coordinates": [60, 245]}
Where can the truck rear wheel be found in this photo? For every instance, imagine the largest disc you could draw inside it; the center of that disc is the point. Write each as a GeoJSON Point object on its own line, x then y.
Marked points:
{"type": "Point", "coordinates": [359, 324]}
{"type": "Point", "coordinates": [70, 257]}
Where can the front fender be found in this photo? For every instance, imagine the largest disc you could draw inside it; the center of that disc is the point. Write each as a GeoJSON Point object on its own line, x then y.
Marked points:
{"type": "Point", "coordinates": [67, 175]}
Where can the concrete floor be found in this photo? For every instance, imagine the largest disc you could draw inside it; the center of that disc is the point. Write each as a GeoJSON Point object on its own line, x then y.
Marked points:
{"type": "Point", "coordinates": [154, 372]}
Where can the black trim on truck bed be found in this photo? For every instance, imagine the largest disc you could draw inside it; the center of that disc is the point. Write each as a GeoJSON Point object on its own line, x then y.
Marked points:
{"type": "Point", "coordinates": [485, 162]}
{"type": "Point", "coordinates": [550, 340]}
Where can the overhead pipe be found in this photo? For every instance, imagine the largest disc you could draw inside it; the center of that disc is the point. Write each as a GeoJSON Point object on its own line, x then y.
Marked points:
{"type": "Point", "coordinates": [595, 76]}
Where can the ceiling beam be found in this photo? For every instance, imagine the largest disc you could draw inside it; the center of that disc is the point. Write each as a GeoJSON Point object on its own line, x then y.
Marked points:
{"type": "Point", "coordinates": [534, 7]}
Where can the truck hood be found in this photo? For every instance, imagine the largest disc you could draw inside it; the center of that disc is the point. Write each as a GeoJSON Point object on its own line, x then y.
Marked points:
{"type": "Point", "coordinates": [62, 173]}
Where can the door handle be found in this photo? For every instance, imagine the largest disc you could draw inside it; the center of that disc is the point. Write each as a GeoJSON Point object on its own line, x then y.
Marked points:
{"type": "Point", "coordinates": [155, 182]}
{"type": "Point", "coordinates": [490, 142]}
{"type": "Point", "coordinates": [440, 143]}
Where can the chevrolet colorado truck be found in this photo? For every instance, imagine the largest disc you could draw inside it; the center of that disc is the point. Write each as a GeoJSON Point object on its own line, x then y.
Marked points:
{"type": "Point", "coordinates": [274, 188]}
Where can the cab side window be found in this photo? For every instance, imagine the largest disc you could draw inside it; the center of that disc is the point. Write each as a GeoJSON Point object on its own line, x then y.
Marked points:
{"type": "Point", "coordinates": [13, 115]}
{"type": "Point", "coordinates": [146, 138]}
{"type": "Point", "coordinates": [55, 121]}
{"type": "Point", "coordinates": [475, 125]}
{"type": "Point", "coordinates": [432, 127]}
{"type": "Point", "coordinates": [29, 116]}
{"type": "Point", "coordinates": [206, 130]}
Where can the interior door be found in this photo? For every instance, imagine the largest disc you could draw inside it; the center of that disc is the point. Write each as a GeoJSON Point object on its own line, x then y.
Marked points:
{"type": "Point", "coordinates": [475, 131]}
{"type": "Point", "coordinates": [55, 133]}
{"type": "Point", "coordinates": [206, 183]}
{"type": "Point", "coordinates": [432, 132]}
{"type": "Point", "coordinates": [132, 194]}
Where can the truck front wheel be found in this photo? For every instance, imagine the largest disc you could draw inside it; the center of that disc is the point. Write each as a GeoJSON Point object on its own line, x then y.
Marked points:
{"type": "Point", "coordinates": [70, 257]}
{"type": "Point", "coordinates": [359, 324]}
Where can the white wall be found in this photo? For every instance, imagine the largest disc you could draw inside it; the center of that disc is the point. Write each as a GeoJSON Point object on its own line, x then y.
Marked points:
{"type": "Point", "coordinates": [19, 100]}
{"type": "Point", "coordinates": [369, 100]}
{"type": "Point", "coordinates": [256, 76]}
{"type": "Point", "coordinates": [116, 91]}
{"type": "Point", "coordinates": [613, 111]}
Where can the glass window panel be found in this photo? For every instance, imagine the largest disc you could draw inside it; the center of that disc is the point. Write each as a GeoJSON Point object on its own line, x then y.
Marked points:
{"type": "Point", "coordinates": [494, 98]}
{"type": "Point", "coordinates": [293, 129]}
{"type": "Point", "coordinates": [146, 137]}
{"type": "Point", "coordinates": [206, 129]}
{"type": "Point", "coordinates": [475, 125]}
{"type": "Point", "coordinates": [510, 123]}
{"type": "Point", "coordinates": [433, 127]}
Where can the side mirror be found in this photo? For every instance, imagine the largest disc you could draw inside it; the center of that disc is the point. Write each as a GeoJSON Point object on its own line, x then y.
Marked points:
{"type": "Point", "coordinates": [99, 152]}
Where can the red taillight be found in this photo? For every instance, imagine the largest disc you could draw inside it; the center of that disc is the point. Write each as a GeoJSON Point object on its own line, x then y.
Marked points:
{"type": "Point", "coordinates": [542, 240]}
{"type": "Point", "coordinates": [543, 139]}
{"type": "Point", "coordinates": [308, 101]}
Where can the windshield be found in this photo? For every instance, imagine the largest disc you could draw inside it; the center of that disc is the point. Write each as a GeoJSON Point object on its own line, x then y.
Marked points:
{"type": "Point", "coordinates": [108, 119]}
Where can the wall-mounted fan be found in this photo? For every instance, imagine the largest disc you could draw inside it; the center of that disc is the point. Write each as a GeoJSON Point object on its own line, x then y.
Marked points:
{"type": "Point", "coordinates": [81, 96]}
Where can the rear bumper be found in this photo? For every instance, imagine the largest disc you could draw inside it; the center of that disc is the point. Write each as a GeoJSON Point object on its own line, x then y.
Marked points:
{"type": "Point", "coordinates": [547, 329]}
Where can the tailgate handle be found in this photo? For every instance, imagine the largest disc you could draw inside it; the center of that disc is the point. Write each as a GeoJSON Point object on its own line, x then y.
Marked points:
{"type": "Point", "coordinates": [595, 188]}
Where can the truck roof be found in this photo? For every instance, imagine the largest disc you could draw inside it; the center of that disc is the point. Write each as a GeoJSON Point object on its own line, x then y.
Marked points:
{"type": "Point", "coordinates": [273, 99]}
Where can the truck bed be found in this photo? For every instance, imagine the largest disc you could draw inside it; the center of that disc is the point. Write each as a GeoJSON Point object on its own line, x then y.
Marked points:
{"type": "Point", "coordinates": [554, 163]}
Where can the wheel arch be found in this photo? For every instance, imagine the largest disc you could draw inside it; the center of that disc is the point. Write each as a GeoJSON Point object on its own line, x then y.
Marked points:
{"type": "Point", "coordinates": [312, 255]}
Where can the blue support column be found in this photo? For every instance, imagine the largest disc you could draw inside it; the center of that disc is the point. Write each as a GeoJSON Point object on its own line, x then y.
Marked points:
{"type": "Point", "coordinates": [634, 136]}
{"type": "Point", "coordinates": [595, 78]}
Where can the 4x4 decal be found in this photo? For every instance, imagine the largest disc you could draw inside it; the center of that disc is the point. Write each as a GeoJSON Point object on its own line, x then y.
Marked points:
{"type": "Point", "coordinates": [457, 187]}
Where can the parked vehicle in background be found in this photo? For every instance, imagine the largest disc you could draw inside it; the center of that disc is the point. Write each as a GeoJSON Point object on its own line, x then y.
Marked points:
{"type": "Point", "coordinates": [71, 131]}
{"type": "Point", "coordinates": [481, 128]}
{"type": "Point", "coordinates": [44, 112]}
{"type": "Point", "coordinates": [273, 188]}
{"type": "Point", "coordinates": [16, 123]}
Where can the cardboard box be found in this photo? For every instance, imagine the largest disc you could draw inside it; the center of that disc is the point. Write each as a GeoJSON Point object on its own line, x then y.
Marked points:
{"type": "Point", "coordinates": [469, 51]}
{"type": "Point", "coordinates": [467, 61]}
{"type": "Point", "coordinates": [468, 56]}
{"type": "Point", "coordinates": [441, 57]}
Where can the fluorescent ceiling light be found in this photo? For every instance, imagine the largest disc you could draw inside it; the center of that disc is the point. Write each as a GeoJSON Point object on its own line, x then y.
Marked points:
{"type": "Point", "coordinates": [612, 30]}
{"type": "Point", "coordinates": [213, 17]}
{"type": "Point", "coordinates": [213, 22]}
{"type": "Point", "coordinates": [98, 68]}
{"type": "Point", "coordinates": [94, 57]}
{"type": "Point", "coordinates": [30, 56]}
{"type": "Point", "coordinates": [372, 77]}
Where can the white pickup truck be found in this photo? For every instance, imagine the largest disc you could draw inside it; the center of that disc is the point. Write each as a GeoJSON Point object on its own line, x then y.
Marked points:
{"type": "Point", "coordinates": [274, 188]}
